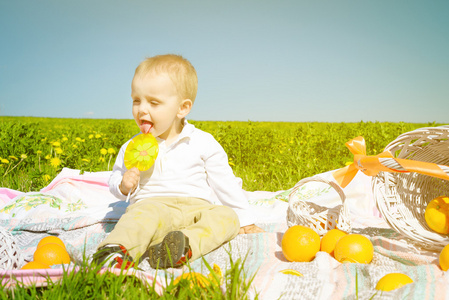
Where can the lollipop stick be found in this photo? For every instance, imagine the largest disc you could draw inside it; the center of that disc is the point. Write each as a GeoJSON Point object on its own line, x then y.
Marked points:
{"type": "Point", "coordinates": [130, 192]}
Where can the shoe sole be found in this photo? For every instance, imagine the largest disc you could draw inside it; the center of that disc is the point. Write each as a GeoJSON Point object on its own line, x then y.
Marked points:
{"type": "Point", "coordinates": [167, 253]}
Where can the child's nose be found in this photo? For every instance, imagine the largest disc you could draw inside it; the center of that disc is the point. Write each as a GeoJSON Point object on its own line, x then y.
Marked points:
{"type": "Point", "coordinates": [144, 108]}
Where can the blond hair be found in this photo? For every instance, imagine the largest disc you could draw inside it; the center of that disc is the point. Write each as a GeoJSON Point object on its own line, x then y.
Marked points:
{"type": "Point", "coordinates": [179, 69]}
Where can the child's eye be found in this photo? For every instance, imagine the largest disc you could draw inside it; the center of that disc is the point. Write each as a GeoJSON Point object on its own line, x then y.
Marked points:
{"type": "Point", "coordinates": [136, 101]}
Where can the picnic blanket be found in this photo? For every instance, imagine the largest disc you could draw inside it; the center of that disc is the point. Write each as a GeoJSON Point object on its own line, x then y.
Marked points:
{"type": "Point", "coordinates": [81, 211]}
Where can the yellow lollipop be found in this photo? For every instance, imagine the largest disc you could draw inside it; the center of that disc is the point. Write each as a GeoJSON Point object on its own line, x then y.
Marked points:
{"type": "Point", "coordinates": [141, 152]}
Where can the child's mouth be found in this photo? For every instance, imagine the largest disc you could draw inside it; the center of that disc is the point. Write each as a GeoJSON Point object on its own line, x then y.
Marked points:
{"type": "Point", "coordinates": [145, 126]}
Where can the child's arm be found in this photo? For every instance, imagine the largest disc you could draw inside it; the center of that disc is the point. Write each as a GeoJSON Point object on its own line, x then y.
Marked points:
{"type": "Point", "coordinates": [229, 192]}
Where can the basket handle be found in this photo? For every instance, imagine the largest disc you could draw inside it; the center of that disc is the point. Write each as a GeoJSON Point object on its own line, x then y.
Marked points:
{"type": "Point", "coordinates": [372, 165]}
{"type": "Point", "coordinates": [319, 218]}
{"type": "Point", "coordinates": [303, 181]}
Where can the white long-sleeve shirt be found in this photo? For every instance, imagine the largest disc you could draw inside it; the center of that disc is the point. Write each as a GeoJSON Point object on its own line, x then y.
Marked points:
{"type": "Point", "coordinates": [195, 165]}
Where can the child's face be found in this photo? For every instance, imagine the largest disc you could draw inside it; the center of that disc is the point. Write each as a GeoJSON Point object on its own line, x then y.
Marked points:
{"type": "Point", "coordinates": [156, 105]}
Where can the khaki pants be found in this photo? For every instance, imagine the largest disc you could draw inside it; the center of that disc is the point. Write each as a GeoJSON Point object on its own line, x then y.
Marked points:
{"type": "Point", "coordinates": [146, 223]}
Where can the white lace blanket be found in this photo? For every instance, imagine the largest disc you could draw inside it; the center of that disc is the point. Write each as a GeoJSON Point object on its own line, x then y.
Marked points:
{"type": "Point", "coordinates": [81, 211]}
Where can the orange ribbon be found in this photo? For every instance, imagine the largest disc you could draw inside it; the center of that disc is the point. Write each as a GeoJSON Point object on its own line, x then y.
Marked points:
{"type": "Point", "coordinates": [370, 165]}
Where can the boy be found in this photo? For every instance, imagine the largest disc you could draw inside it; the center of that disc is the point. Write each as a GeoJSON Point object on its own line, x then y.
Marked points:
{"type": "Point", "coordinates": [189, 202]}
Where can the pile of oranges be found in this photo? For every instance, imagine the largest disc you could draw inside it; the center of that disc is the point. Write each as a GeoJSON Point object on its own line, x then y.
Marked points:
{"type": "Point", "coordinates": [49, 251]}
{"type": "Point", "coordinates": [301, 243]}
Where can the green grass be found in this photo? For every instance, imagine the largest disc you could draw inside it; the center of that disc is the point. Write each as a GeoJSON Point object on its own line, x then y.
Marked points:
{"type": "Point", "coordinates": [268, 156]}
{"type": "Point", "coordinates": [88, 283]}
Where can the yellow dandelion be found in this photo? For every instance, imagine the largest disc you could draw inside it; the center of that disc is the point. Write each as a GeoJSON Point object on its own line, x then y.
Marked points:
{"type": "Point", "coordinates": [65, 139]}
{"type": "Point", "coordinates": [13, 157]}
{"type": "Point", "coordinates": [97, 136]}
{"type": "Point", "coordinates": [5, 161]}
{"type": "Point", "coordinates": [111, 150]}
{"type": "Point", "coordinates": [39, 152]}
{"type": "Point", "coordinates": [141, 152]}
{"type": "Point", "coordinates": [46, 177]}
{"type": "Point", "coordinates": [23, 156]}
{"type": "Point", "coordinates": [55, 162]}
{"type": "Point", "coordinates": [56, 144]}
{"type": "Point", "coordinates": [74, 146]}
{"type": "Point", "coordinates": [47, 156]}
{"type": "Point", "coordinates": [91, 136]}
{"type": "Point", "coordinates": [85, 159]}
{"type": "Point", "coordinates": [58, 150]}
{"type": "Point", "coordinates": [78, 139]}
{"type": "Point", "coordinates": [231, 164]}
{"type": "Point", "coordinates": [101, 159]}
{"type": "Point", "coordinates": [103, 151]}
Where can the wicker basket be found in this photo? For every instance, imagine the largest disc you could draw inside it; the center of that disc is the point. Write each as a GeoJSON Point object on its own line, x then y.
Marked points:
{"type": "Point", "coordinates": [321, 219]}
{"type": "Point", "coordinates": [10, 254]}
{"type": "Point", "coordinates": [402, 197]}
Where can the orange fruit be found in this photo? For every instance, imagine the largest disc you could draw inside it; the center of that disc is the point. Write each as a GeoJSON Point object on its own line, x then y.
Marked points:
{"type": "Point", "coordinates": [51, 254]}
{"type": "Point", "coordinates": [330, 239]}
{"type": "Point", "coordinates": [300, 243]}
{"type": "Point", "coordinates": [444, 258]}
{"type": "Point", "coordinates": [354, 248]}
{"type": "Point", "coordinates": [195, 278]}
{"type": "Point", "coordinates": [393, 281]}
{"type": "Point", "coordinates": [51, 240]}
{"type": "Point", "coordinates": [437, 214]}
{"type": "Point", "coordinates": [35, 265]}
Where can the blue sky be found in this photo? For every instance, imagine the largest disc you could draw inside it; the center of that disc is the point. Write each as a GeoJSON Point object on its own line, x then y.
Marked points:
{"type": "Point", "coordinates": [329, 61]}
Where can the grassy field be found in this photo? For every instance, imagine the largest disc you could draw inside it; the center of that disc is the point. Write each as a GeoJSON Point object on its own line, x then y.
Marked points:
{"type": "Point", "coordinates": [268, 156]}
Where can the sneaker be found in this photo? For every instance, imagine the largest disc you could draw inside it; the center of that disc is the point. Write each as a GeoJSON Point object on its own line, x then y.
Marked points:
{"type": "Point", "coordinates": [172, 252]}
{"type": "Point", "coordinates": [114, 257]}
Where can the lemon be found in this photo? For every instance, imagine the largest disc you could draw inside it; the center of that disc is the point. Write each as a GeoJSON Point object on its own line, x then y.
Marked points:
{"type": "Point", "coordinates": [216, 274]}
{"type": "Point", "coordinates": [194, 278]}
{"type": "Point", "coordinates": [291, 272]}
{"type": "Point", "coordinates": [392, 281]}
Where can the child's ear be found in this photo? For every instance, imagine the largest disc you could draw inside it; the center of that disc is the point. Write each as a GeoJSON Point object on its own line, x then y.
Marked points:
{"type": "Point", "coordinates": [184, 108]}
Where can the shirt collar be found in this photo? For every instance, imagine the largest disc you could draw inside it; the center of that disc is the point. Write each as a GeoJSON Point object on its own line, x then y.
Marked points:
{"type": "Point", "coordinates": [187, 130]}
{"type": "Point", "coordinates": [185, 134]}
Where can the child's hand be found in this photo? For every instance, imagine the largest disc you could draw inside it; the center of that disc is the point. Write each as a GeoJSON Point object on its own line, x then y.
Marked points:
{"type": "Point", "coordinates": [130, 181]}
{"type": "Point", "coordinates": [250, 229]}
